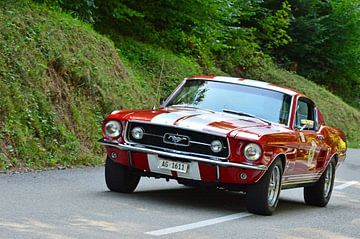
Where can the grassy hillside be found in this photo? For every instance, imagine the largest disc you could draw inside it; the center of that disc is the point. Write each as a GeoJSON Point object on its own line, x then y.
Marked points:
{"type": "Point", "coordinates": [59, 79]}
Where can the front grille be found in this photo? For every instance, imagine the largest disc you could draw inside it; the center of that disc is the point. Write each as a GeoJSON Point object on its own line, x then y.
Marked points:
{"type": "Point", "coordinates": [187, 140]}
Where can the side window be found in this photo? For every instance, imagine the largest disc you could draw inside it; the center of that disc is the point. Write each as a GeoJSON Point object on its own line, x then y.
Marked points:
{"type": "Point", "coordinates": [305, 110]}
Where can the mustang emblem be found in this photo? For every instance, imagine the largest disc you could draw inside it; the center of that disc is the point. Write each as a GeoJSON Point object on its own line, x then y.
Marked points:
{"type": "Point", "coordinates": [176, 139]}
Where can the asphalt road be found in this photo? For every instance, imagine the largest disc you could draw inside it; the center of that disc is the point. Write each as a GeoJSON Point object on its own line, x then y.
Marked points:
{"type": "Point", "coordinates": [76, 204]}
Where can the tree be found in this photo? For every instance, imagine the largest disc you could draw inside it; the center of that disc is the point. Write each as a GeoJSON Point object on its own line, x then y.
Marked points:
{"type": "Point", "coordinates": [326, 45]}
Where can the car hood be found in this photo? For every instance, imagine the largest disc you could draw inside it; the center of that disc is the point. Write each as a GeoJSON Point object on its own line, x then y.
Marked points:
{"type": "Point", "coordinates": [201, 120]}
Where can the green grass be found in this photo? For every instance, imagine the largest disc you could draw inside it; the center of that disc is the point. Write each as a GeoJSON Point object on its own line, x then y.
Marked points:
{"type": "Point", "coordinates": [59, 79]}
{"type": "Point", "coordinates": [149, 63]}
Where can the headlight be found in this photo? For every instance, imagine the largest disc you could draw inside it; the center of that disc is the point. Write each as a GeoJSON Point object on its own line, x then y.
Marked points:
{"type": "Point", "coordinates": [252, 152]}
{"type": "Point", "coordinates": [216, 146]}
{"type": "Point", "coordinates": [137, 133]}
{"type": "Point", "coordinates": [113, 129]}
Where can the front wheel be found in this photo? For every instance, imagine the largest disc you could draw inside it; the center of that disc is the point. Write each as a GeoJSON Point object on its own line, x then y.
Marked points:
{"type": "Point", "coordinates": [120, 178]}
{"type": "Point", "coordinates": [319, 194]}
{"type": "Point", "coordinates": [262, 197]}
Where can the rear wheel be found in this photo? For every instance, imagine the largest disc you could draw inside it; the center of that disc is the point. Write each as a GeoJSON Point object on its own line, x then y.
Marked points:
{"type": "Point", "coordinates": [120, 178]}
{"type": "Point", "coordinates": [262, 197]}
{"type": "Point", "coordinates": [319, 194]}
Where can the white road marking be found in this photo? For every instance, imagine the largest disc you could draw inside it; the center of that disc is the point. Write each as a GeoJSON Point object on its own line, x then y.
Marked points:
{"type": "Point", "coordinates": [345, 185]}
{"type": "Point", "coordinates": [199, 224]}
{"type": "Point", "coordinates": [217, 220]}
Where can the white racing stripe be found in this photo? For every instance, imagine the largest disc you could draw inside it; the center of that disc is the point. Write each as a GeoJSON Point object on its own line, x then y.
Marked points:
{"type": "Point", "coordinates": [198, 122]}
{"type": "Point", "coordinates": [345, 185]}
{"type": "Point", "coordinates": [170, 118]}
{"type": "Point", "coordinates": [199, 224]}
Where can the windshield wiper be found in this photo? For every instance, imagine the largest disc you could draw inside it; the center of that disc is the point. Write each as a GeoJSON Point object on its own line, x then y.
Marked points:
{"type": "Point", "coordinates": [246, 114]}
{"type": "Point", "coordinates": [190, 107]}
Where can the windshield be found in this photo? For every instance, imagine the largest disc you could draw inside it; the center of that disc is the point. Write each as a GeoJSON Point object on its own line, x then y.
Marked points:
{"type": "Point", "coordinates": [219, 96]}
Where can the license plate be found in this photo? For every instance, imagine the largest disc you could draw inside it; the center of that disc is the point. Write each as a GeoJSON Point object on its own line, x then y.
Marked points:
{"type": "Point", "coordinates": [173, 165]}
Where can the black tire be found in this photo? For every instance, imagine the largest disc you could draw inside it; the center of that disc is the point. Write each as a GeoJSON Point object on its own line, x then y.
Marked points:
{"type": "Point", "coordinates": [257, 195]}
{"type": "Point", "coordinates": [319, 194]}
{"type": "Point", "coordinates": [120, 178]}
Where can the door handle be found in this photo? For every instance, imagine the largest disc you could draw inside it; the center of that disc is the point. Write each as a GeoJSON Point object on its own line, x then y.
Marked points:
{"type": "Point", "coordinates": [320, 136]}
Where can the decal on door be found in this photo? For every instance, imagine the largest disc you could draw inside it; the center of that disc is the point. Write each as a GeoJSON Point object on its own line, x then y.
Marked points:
{"type": "Point", "coordinates": [302, 137]}
{"type": "Point", "coordinates": [312, 153]}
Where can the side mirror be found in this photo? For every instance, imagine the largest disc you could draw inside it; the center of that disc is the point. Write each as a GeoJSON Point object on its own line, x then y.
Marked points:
{"type": "Point", "coordinates": [306, 124]}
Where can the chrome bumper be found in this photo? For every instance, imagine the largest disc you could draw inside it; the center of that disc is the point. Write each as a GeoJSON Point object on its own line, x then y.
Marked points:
{"type": "Point", "coordinates": [143, 149]}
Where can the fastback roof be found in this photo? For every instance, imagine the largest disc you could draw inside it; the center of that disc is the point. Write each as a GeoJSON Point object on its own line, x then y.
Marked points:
{"type": "Point", "coordinates": [242, 81]}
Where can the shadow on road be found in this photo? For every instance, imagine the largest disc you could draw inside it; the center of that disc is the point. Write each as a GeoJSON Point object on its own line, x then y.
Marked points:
{"type": "Point", "coordinates": [185, 197]}
{"type": "Point", "coordinates": [201, 199]}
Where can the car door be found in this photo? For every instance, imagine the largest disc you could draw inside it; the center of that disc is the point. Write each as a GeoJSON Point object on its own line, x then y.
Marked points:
{"type": "Point", "coordinates": [310, 142]}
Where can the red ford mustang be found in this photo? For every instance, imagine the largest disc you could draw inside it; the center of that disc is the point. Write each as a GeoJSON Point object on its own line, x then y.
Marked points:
{"type": "Point", "coordinates": [228, 133]}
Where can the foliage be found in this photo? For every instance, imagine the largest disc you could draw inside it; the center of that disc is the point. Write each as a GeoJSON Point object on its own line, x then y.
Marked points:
{"type": "Point", "coordinates": [223, 33]}
{"type": "Point", "coordinates": [59, 79]}
{"type": "Point", "coordinates": [326, 45]}
{"type": "Point", "coordinates": [273, 27]}
{"type": "Point", "coordinates": [318, 39]}
{"type": "Point", "coordinates": [83, 9]}
{"type": "Point", "coordinates": [149, 63]}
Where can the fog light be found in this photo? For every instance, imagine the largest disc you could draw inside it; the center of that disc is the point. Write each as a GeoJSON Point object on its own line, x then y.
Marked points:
{"type": "Point", "coordinates": [243, 176]}
{"type": "Point", "coordinates": [137, 133]}
{"type": "Point", "coordinates": [216, 146]}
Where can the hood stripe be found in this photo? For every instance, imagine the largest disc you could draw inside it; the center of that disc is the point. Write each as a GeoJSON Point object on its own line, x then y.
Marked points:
{"type": "Point", "coordinates": [209, 122]}
{"type": "Point", "coordinates": [199, 122]}
{"type": "Point", "coordinates": [184, 118]}
{"type": "Point", "coordinates": [170, 118]}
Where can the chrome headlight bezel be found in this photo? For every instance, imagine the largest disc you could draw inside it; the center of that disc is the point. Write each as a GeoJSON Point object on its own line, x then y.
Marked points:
{"type": "Point", "coordinates": [137, 133]}
{"type": "Point", "coordinates": [113, 129]}
{"type": "Point", "coordinates": [252, 151]}
{"type": "Point", "coordinates": [216, 146]}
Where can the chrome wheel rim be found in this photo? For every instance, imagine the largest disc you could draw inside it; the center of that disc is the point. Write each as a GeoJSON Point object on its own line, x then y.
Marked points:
{"type": "Point", "coordinates": [274, 186]}
{"type": "Point", "coordinates": [328, 180]}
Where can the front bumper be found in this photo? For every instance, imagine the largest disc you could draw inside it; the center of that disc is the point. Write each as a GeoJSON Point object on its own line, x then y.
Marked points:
{"type": "Point", "coordinates": [180, 155]}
